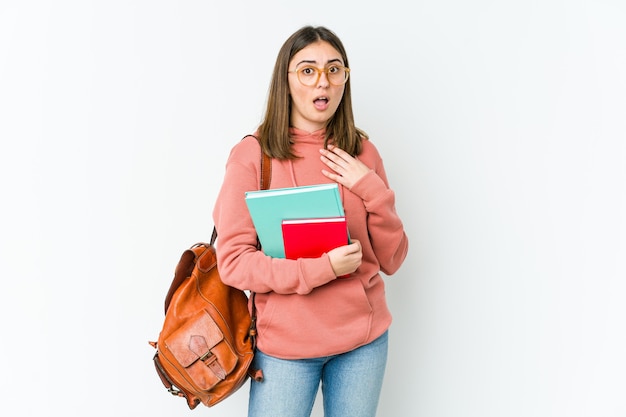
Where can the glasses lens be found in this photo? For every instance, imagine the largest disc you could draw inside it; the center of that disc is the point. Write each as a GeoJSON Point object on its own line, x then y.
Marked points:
{"type": "Point", "coordinates": [307, 75]}
{"type": "Point", "coordinates": [337, 75]}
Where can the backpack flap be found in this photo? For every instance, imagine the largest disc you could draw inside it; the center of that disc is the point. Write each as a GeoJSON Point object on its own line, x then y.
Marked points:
{"type": "Point", "coordinates": [199, 347]}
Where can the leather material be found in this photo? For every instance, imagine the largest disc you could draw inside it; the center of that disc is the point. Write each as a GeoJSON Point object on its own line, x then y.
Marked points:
{"type": "Point", "coordinates": [207, 342]}
{"type": "Point", "coordinates": [204, 349]}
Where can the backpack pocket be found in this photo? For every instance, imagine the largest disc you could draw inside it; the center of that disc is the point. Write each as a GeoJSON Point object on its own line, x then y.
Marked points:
{"type": "Point", "coordinates": [200, 348]}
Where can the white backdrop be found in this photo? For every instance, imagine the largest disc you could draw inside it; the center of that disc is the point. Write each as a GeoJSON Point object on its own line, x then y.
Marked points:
{"type": "Point", "coordinates": [503, 129]}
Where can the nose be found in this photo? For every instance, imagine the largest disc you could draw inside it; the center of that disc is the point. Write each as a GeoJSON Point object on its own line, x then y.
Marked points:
{"type": "Point", "coordinates": [323, 79]}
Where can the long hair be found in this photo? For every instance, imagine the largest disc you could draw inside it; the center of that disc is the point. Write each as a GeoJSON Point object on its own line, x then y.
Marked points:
{"type": "Point", "coordinates": [274, 129]}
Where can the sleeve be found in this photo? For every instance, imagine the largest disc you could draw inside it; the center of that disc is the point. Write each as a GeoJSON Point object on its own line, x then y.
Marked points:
{"type": "Point", "coordinates": [240, 263]}
{"type": "Point", "coordinates": [387, 235]}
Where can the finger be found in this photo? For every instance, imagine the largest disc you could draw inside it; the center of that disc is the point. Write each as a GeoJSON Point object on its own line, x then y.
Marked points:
{"type": "Point", "coordinates": [340, 152]}
{"type": "Point", "coordinates": [335, 166]}
{"type": "Point", "coordinates": [329, 157]}
{"type": "Point", "coordinates": [337, 155]}
{"type": "Point", "coordinates": [355, 247]}
{"type": "Point", "coordinates": [333, 176]}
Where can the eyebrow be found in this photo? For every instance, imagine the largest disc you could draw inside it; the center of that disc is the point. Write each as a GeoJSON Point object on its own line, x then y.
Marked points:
{"type": "Point", "coordinates": [312, 61]}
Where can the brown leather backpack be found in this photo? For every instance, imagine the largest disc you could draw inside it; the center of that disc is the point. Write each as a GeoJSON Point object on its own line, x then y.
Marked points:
{"type": "Point", "coordinates": [207, 343]}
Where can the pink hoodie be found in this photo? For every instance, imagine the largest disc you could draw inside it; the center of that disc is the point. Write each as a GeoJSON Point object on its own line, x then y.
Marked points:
{"type": "Point", "coordinates": [303, 309]}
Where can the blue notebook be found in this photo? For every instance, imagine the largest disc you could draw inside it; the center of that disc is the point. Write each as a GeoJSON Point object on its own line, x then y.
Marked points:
{"type": "Point", "coordinates": [268, 209]}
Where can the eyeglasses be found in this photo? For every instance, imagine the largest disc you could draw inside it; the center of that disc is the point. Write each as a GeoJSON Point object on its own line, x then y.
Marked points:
{"type": "Point", "coordinates": [309, 75]}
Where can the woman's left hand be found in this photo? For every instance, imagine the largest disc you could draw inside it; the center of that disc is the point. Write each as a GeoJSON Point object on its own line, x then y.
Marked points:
{"type": "Point", "coordinates": [346, 170]}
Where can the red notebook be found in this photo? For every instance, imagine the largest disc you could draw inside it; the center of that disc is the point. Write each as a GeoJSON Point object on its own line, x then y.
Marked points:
{"type": "Point", "coordinates": [312, 237]}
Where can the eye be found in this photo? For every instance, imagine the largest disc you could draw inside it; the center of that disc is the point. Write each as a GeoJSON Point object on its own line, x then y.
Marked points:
{"type": "Point", "coordinates": [334, 69]}
{"type": "Point", "coordinates": [307, 71]}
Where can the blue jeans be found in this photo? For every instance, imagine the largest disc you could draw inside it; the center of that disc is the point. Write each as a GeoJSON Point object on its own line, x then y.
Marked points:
{"type": "Point", "coordinates": [351, 383]}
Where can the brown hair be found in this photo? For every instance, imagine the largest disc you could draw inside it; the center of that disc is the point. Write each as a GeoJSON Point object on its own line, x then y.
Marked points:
{"type": "Point", "coordinates": [274, 130]}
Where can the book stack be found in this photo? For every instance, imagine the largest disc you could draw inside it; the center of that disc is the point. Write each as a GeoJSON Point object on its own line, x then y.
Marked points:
{"type": "Point", "coordinates": [298, 222]}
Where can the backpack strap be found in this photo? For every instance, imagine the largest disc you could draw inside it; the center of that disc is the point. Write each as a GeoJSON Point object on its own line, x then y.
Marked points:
{"type": "Point", "coordinates": [266, 170]}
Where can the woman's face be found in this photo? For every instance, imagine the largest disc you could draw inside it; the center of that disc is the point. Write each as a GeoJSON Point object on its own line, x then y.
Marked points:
{"type": "Point", "coordinates": [312, 106]}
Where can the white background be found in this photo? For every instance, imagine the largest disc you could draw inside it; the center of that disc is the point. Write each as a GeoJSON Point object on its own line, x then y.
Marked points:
{"type": "Point", "coordinates": [502, 126]}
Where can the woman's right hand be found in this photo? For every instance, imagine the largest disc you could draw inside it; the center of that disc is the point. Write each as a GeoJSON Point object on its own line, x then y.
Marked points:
{"type": "Point", "coordinates": [346, 259]}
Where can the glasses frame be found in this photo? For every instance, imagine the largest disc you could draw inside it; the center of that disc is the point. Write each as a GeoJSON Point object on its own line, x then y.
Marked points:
{"type": "Point", "coordinates": [319, 71]}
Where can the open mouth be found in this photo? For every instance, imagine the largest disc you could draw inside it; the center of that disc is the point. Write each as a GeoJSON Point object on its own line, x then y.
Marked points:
{"type": "Point", "coordinates": [321, 103]}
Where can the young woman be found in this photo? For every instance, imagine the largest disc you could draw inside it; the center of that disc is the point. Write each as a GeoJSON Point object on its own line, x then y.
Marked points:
{"type": "Point", "coordinates": [314, 325]}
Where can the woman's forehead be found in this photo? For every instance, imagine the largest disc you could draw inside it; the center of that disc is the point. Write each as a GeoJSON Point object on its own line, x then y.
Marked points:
{"type": "Point", "coordinates": [320, 52]}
